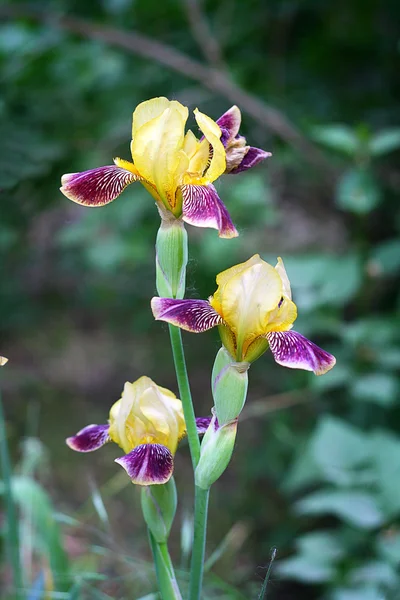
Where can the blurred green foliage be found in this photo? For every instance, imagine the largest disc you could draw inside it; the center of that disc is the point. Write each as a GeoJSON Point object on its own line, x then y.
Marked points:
{"type": "Point", "coordinates": [318, 476]}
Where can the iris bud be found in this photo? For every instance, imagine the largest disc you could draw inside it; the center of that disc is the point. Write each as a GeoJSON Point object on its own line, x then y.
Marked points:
{"type": "Point", "coordinates": [229, 383]}
{"type": "Point", "coordinates": [216, 451]}
{"type": "Point", "coordinates": [171, 258]}
{"type": "Point", "coordinates": [159, 507]}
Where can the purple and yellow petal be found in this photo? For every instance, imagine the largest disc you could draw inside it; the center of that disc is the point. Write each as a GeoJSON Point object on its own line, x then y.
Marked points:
{"type": "Point", "coordinates": [89, 438]}
{"type": "Point", "coordinates": [252, 157]}
{"type": "Point", "coordinates": [192, 315]}
{"type": "Point", "coordinates": [148, 464]}
{"type": "Point", "coordinates": [97, 187]}
{"type": "Point", "coordinates": [202, 207]}
{"type": "Point", "coordinates": [293, 350]}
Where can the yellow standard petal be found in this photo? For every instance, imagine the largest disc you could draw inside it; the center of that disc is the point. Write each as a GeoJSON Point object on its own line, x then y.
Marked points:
{"type": "Point", "coordinates": [146, 413]}
{"type": "Point", "coordinates": [148, 110]}
{"type": "Point", "coordinates": [3, 361]}
{"type": "Point", "coordinates": [213, 164]}
{"type": "Point", "coordinates": [157, 152]}
{"type": "Point", "coordinates": [246, 295]}
{"type": "Point", "coordinates": [280, 267]}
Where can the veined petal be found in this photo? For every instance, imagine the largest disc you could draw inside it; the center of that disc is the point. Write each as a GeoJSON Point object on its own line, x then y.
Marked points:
{"type": "Point", "coordinates": [148, 464]}
{"type": "Point", "coordinates": [229, 123]}
{"type": "Point", "coordinates": [192, 315]}
{"type": "Point", "coordinates": [202, 207]}
{"type": "Point", "coordinates": [98, 187]}
{"type": "Point", "coordinates": [212, 133]}
{"type": "Point", "coordinates": [89, 438]}
{"type": "Point", "coordinates": [202, 424]}
{"type": "Point", "coordinates": [293, 350]}
{"type": "Point", "coordinates": [252, 157]}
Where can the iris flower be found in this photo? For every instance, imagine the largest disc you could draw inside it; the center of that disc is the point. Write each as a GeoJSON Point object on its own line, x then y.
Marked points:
{"type": "Point", "coordinates": [3, 361]}
{"type": "Point", "coordinates": [176, 168]}
{"type": "Point", "coordinates": [253, 309]}
{"type": "Point", "coordinates": [147, 423]}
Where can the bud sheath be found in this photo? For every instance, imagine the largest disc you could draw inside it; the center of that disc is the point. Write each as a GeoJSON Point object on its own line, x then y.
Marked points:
{"type": "Point", "coordinates": [216, 451]}
{"type": "Point", "coordinates": [159, 506]}
{"type": "Point", "coordinates": [171, 258]}
{"type": "Point", "coordinates": [229, 383]}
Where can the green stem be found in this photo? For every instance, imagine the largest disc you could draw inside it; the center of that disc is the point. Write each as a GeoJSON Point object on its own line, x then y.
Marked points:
{"type": "Point", "coordinates": [199, 542]}
{"type": "Point", "coordinates": [167, 583]}
{"type": "Point", "coordinates": [12, 521]}
{"type": "Point", "coordinates": [185, 394]}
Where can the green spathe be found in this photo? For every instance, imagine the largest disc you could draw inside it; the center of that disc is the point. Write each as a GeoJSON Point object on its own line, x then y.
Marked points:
{"type": "Point", "coordinates": [159, 507]}
{"type": "Point", "coordinates": [229, 381]}
{"type": "Point", "coordinates": [171, 258]}
{"type": "Point", "coordinates": [216, 451]}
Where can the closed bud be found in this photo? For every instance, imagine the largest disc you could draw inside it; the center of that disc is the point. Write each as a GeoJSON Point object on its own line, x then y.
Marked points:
{"type": "Point", "coordinates": [216, 451]}
{"type": "Point", "coordinates": [171, 258]}
{"type": "Point", "coordinates": [159, 507]}
{"type": "Point", "coordinates": [229, 383]}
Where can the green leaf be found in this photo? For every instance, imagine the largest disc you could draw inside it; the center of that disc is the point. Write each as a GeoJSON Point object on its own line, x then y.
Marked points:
{"type": "Point", "coordinates": [337, 137]}
{"type": "Point", "coordinates": [385, 141]}
{"type": "Point", "coordinates": [381, 388]}
{"type": "Point", "coordinates": [338, 448]}
{"type": "Point", "coordinates": [386, 257]}
{"type": "Point", "coordinates": [356, 508]}
{"type": "Point", "coordinates": [305, 568]}
{"type": "Point", "coordinates": [385, 451]}
{"type": "Point", "coordinates": [358, 192]}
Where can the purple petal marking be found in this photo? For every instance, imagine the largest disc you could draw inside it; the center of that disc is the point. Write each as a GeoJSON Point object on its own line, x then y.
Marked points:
{"type": "Point", "coordinates": [202, 424]}
{"type": "Point", "coordinates": [293, 350]}
{"type": "Point", "coordinates": [202, 207]}
{"type": "Point", "coordinates": [148, 464]}
{"type": "Point", "coordinates": [229, 124]}
{"type": "Point", "coordinates": [192, 315]}
{"type": "Point", "coordinates": [89, 438]}
{"type": "Point", "coordinates": [251, 159]}
{"type": "Point", "coordinates": [96, 187]}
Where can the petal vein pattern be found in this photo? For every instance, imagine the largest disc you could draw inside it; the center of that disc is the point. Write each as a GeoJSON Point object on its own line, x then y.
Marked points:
{"type": "Point", "coordinates": [192, 315]}
{"type": "Point", "coordinates": [293, 350]}
{"type": "Point", "coordinates": [203, 207]}
{"type": "Point", "coordinates": [148, 464]}
{"type": "Point", "coordinates": [96, 187]}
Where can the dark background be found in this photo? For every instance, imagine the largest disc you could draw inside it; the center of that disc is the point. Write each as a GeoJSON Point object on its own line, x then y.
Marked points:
{"type": "Point", "coordinates": [316, 470]}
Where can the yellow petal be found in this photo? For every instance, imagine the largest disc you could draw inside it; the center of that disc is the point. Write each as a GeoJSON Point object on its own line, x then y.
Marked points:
{"type": "Point", "coordinates": [3, 361]}
{"type": "Point", "coordinates": [148, 110]}
{"type": "Point", "coordinates": [246, 295]}
{"type": "Point", "coordinates": [190, 144]}
{"type": "Point", "coordinates": [280, 267]}
{"type": "Point", "coordinates": [157, 151]}
{"type": "Point", "coordinates": [282, 318]}
{"type": "Point", "coordinates": [212, 133]}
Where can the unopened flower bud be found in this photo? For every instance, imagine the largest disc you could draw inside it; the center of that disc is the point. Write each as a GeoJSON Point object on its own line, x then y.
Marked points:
{"type": "Point", "coordinates": [229, 382]}
{"type": "Point", "coordinates": [159, 507]}
{"type": "Point", "coordinates": [216, 451]}
{"type": "Point", "coordinates": [171, 258]}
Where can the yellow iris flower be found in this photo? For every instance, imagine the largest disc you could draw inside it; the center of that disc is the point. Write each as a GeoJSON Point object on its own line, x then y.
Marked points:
{"type": "Point", "coordinates": [253, 309]}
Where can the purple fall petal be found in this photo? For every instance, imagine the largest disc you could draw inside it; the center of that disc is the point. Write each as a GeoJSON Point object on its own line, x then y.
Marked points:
{"type": "Point", "coordinates": [202, 424]}
{"type": "Point", "coordinates": [229, 124]}
{"type": "Point", "coordinates": [293, 350]}
{"type": "Point", "coordinates": [89, 438]}
{"type": "Point", "coordinates": [96, 187]}
{"type": "Point", "coordinates": [202, 207]}
{"type": "Point", "coordinates": [192, 315]}
{"type": "Point", "coordinates": [148, 464]}
{"type": "Point", "coordinates": [251, 159]}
